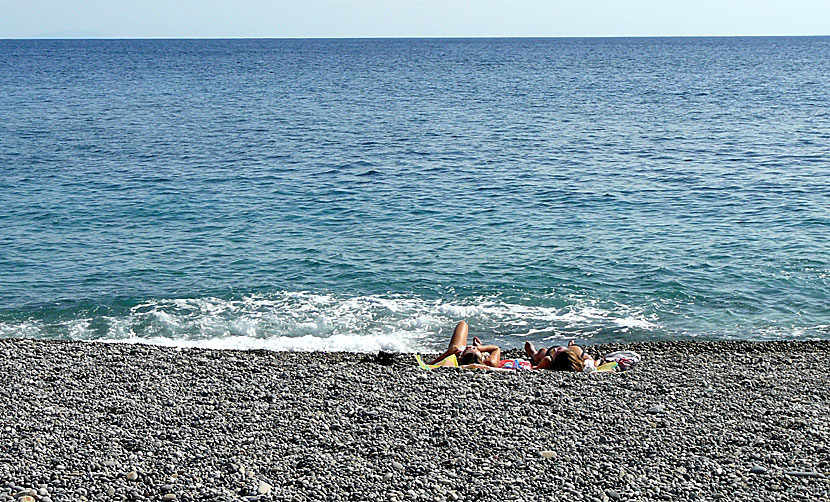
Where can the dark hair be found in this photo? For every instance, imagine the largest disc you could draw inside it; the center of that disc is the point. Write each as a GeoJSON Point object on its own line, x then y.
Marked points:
{"type": "Point", "coordinates": [567, 360]}
{"type": "Point", "coordinates": [471, 357]}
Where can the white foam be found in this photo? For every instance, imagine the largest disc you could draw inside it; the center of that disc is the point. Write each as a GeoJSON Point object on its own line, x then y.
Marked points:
{"type": "Point", "coordinates": [296, 320]}
{"type": "Point", "coordinates": [631, 322]}
{"type": "Point", "coordinates": [306, 343]}
{"type": "Point", "coordinates": [459, 311]}
{"type": "Point", "coordinates": [24, 329]}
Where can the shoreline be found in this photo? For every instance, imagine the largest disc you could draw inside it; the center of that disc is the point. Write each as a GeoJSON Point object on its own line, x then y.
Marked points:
{"type": "Point", "coordinates": [693, 421]}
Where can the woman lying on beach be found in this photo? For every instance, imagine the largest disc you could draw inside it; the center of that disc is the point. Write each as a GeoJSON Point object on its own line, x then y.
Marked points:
{"type": "Point", "coordinates": [477, 355]}
{"type": "Point", "coordinates": [570, 358]}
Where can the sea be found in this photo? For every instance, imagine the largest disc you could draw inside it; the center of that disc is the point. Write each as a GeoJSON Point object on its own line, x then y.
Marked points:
{"type": "Point", "coordinates": [368, 194]}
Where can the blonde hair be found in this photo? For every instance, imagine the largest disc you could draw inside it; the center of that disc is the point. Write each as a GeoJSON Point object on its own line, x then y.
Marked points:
{"type": "Point", "coordinates": [567, 360]}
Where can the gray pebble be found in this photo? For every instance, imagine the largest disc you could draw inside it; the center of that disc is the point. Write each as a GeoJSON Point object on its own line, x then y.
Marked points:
{"type": "Point", "coordinates": [804, 474]}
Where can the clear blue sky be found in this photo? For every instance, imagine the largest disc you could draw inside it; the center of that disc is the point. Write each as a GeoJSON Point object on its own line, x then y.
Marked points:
{"type": "Point", "coordinates": [414, 18]}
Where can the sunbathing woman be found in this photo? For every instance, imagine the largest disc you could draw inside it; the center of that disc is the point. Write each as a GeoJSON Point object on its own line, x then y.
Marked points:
{"type": "Point", "coordinates": [477, 355]}
{"type": "Point", "coordinates": [570, 358]}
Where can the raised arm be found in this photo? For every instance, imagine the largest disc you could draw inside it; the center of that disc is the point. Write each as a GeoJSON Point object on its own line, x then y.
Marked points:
{"type": "Point", "coordinates": [495, 356]}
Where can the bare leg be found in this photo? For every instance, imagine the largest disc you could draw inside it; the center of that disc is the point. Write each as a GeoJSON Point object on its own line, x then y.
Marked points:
{"type": "Point", "coordinates": [458, 341]}
{"type": "Point", "coordinates": [459, 335]}
{"type": "Point", "coordinates": [535, 355]}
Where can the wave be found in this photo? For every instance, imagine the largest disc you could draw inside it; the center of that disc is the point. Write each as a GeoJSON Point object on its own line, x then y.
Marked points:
{"type": "Point", "coordinates": [308, 321]}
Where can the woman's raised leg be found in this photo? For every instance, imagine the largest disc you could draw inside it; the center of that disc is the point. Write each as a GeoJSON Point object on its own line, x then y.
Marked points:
{"type": "Point", "coordinates": [459, 335]}
{"type": "Point", "coordinates": [458, 341]}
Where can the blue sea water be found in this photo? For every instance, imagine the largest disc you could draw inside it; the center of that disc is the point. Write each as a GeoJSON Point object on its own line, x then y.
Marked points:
{"type": "Point", "coordinates": [365, 194]}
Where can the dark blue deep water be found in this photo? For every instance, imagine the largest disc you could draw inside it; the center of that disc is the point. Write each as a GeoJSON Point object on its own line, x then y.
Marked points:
{"type": "Point", "coordinates": [359, 194]}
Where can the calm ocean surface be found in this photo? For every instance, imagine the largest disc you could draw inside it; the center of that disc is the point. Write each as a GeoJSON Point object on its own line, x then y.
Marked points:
{"type": "Point", "coordinates": [366, 194]}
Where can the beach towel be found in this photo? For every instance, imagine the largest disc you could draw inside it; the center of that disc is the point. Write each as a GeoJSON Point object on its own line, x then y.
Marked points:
{"type": "Point", "coordinates": [622, 360]}
{"type": "Point", "coordinates": [514, 364]}
{"type": "Point", "coordinates": [448, 362]}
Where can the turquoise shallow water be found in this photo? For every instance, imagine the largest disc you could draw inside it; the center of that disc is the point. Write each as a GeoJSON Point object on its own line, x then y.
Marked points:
{"type": "Point", "coordinates": [364, 194]}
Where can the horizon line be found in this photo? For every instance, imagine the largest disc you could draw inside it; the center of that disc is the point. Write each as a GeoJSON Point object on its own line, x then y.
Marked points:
{"type": "Point", "coordinates": [412, 37]}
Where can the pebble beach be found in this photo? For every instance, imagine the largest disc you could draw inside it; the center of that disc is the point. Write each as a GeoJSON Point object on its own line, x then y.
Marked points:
{"type": "Point", "coordinates": [694, 421]}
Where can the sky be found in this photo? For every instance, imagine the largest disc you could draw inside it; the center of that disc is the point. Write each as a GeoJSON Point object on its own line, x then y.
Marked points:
{"type": "Point", "coordinates": [414, 18]}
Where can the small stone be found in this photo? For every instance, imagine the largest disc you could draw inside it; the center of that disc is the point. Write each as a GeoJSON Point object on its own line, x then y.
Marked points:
{"type": "Point", "coordinates": [397, 466]}
{"type": "Point", "coordinates": [453, 495]}
{"type": "Point", "coordinates": [169, 496]}
{"type": "Point", "coordinates": [757, 469]}
{"type": "Point", "coordinates": [26, 498]}
{"type": "Point", "coordinates": [132, 476]}
{"type": "Point", "coordinates": [46, 498]}
{"type": "Point", "coordinates": [657, 408]}
{"type": "Point", "coordinates": [110, 491]}
{"type": "Point", "coordinates": [263, 488]}
{"type": "Point", "coordinates": [803, 474]}
{"type": "Point", "coordinates": [613, 495]}
{"type": "Point", "coordinates": [548, 453]}
{"type": "Point", "coordinates": [387, 476]}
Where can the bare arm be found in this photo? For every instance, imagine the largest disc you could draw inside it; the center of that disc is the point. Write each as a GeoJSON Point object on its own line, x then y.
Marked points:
{"type": "Point", "coordinates": [544, 363]}
{"type": "Point", "coordinates": [494, 357]}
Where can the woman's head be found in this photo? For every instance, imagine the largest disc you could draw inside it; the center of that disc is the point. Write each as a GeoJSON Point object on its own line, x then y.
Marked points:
{"type": "Point", "coordinates": [567, 360]}
{"type": "Point", "coordinates": [471, 355]}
